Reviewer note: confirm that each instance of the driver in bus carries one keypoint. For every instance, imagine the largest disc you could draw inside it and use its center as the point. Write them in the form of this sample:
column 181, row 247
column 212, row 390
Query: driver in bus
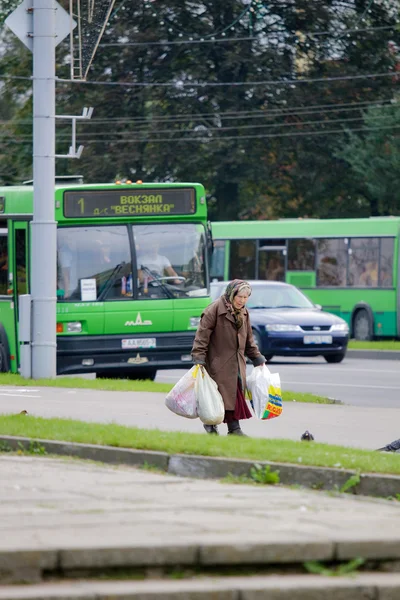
column 157, row 264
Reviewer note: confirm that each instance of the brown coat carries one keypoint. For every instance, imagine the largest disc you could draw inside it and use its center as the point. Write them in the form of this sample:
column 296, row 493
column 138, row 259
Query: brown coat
column 222, row 349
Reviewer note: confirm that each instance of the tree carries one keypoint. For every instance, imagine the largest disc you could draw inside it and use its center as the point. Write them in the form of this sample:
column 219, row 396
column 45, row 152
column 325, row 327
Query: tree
column 374, row 158
column 247, row 104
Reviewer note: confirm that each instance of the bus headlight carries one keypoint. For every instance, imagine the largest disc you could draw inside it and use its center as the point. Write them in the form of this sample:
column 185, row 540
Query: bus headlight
column 74, row 327
column 194, row 322
column 282, row 327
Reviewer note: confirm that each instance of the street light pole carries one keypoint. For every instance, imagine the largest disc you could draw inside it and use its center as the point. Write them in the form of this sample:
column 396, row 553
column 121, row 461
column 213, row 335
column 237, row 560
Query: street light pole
column 44, row 227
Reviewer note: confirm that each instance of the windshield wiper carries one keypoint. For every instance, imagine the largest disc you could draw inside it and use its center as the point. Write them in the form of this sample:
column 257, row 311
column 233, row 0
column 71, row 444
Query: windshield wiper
column 289, row 306
column 110, row 281
column 258, row 306
column 168, row 292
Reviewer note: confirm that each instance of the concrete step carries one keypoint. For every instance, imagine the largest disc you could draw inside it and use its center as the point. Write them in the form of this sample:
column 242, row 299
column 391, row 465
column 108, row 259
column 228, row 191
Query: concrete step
column 364, row 586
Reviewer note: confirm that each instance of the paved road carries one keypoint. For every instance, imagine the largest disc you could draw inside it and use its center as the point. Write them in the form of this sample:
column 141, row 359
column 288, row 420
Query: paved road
column 354, row 381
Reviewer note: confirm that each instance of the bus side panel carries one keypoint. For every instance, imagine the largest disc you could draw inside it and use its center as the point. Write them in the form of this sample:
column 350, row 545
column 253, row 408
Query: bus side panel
column 346, row 299
column 7, row 319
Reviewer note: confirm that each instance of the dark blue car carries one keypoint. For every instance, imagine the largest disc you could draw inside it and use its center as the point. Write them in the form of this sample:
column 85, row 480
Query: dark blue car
column 286, row 323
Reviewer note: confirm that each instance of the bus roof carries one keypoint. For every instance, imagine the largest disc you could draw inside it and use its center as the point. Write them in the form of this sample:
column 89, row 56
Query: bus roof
column 306, row 228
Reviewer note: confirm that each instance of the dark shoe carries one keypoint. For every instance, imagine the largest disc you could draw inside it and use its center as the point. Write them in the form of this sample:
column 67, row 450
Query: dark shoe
column 234, row 429
column 213, row 429
column 237, row 431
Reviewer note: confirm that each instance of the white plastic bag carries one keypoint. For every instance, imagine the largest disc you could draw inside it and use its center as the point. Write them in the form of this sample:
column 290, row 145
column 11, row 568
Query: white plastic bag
column 264, row 390
column 210, row 406
column 182, row 400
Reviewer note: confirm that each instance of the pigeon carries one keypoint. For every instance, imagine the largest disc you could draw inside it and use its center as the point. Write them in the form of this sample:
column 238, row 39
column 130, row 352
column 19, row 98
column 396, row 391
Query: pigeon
column 393, row 447
column 23, row 412
column 307, row 436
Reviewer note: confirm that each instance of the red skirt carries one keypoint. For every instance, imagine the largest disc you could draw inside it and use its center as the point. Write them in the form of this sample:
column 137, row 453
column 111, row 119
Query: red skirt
column 241, row 411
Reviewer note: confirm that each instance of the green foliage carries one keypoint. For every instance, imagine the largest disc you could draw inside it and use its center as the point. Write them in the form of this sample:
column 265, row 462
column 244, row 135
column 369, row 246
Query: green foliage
column 33, row 448
column 350, row 483
column 374, row 158
column 348, row 568
column 5, row 446
column 263, row 474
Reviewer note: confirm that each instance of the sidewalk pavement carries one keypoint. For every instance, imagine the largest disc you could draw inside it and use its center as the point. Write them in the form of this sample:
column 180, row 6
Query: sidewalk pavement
column 64, row 517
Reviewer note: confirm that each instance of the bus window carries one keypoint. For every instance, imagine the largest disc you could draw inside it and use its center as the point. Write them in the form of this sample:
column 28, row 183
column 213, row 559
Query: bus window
column 271, row 265
column 217, row 271
column 301, row 255
column 98, row 257
column 386, row 262
column 170, row 260
column 3, row 265
column 242, row 263
column 332, row 262
column 363, row 262
column 20, row 253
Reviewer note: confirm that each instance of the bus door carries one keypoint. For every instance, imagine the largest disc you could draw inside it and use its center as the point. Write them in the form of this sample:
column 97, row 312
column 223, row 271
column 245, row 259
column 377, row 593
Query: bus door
column 271, row 260
column 17, row 283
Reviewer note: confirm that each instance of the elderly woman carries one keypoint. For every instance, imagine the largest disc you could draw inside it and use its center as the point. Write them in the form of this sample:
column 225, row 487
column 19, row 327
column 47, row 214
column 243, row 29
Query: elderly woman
column 223, row 340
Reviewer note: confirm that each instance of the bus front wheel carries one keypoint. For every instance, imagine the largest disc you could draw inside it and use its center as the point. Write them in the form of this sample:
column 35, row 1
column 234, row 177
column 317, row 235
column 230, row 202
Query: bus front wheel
column 142, row 373
column 362, row 326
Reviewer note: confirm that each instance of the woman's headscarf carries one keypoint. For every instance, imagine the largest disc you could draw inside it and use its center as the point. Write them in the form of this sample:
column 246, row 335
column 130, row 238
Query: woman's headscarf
column 235, row 287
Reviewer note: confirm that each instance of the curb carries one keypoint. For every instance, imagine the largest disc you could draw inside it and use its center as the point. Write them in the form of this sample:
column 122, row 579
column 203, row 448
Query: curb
column 373, row 354
column 208, row 467
column 290, row 587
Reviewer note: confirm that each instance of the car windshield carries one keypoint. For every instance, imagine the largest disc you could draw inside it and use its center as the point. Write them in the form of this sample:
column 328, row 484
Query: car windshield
column 278, row 297
column 270, row 296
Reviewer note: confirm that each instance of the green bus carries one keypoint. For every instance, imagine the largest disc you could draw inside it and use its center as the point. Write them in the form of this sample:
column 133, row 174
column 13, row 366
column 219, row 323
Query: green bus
column 132, row 274
column 349, row 267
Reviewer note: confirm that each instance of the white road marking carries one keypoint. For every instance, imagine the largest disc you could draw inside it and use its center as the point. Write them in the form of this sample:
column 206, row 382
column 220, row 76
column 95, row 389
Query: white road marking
column 354, row 385
column 19, row 395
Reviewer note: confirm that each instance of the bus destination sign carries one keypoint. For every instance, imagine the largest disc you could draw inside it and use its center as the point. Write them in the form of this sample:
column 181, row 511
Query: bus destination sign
column 129, row 202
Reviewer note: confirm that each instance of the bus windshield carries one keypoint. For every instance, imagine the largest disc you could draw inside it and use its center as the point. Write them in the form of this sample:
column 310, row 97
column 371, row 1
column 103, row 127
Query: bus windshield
column 111, row 262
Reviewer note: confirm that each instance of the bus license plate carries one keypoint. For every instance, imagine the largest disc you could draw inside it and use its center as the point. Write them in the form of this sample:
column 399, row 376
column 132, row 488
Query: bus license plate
column 139, row 343
column 318, row 339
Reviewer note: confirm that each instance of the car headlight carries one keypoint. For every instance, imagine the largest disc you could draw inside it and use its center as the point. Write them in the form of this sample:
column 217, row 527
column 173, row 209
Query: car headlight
column 282, row 327
column 343, row 327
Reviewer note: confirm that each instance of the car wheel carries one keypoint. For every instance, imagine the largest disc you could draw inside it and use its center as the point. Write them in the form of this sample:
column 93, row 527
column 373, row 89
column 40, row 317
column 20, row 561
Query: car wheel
column 335, row 358
column 362, row 326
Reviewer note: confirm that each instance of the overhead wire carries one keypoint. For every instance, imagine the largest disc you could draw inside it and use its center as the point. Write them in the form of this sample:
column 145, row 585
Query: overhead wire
column 181, row 85
column 238, row 115
column 244, row 39
column 204, row 140
column 196, row 135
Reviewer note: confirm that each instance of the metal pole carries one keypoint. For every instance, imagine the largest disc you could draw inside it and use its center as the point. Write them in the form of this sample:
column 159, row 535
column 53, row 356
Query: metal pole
column 44, row 228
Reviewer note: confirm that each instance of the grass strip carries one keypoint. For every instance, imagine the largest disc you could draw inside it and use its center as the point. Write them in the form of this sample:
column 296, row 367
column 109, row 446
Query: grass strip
column 126, row 385
column 376, row 345
column 255, row 449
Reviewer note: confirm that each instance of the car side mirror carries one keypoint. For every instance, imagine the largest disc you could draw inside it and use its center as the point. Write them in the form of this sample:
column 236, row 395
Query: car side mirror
column 318, row 306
